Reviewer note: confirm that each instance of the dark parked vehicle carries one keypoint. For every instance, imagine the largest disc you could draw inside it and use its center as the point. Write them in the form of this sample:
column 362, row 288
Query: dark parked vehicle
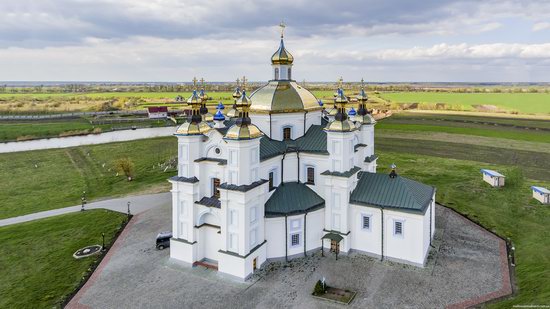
column 163, row 240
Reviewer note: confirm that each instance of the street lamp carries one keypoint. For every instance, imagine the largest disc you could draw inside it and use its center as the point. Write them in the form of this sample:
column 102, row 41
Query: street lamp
column 103, row 236
column 83, row 198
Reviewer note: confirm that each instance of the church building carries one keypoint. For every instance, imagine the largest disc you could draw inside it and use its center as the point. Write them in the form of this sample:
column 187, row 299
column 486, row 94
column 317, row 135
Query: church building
column 281, row 175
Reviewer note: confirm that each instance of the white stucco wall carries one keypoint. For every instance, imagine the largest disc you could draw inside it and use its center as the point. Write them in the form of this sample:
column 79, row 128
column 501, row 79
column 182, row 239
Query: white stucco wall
column 409, row 246
column 90, row 139
column 366, row 240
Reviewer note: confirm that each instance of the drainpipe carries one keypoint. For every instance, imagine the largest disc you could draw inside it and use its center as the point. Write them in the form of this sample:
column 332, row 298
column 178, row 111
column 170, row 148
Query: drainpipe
column 286, row 238
column 305, row 233
column 270, row 133
column 382, row 247
column 305, row 122
column 298, row 166
column 283, row 167
column 431, row 205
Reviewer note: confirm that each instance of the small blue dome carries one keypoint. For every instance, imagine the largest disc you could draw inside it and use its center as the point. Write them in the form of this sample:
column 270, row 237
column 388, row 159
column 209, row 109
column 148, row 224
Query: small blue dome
column 320, row 102
column 219, row 116
column 220, row 105
column 352, row 112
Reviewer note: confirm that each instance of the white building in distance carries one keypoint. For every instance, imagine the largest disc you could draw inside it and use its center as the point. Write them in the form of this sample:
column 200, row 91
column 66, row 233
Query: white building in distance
column 541, row 194
column 493, row 178
column 280, row 177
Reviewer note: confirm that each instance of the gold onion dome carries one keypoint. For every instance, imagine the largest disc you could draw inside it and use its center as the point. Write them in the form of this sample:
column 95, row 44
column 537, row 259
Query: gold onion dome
column 243, row 128
column 341, row 123
column 283, row 96
column 282, row 56
column 193, row 124
column 363, row 116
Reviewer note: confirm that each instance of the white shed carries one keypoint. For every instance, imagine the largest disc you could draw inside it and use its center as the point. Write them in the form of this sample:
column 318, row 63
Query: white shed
column 541, row 194
column 493, row 178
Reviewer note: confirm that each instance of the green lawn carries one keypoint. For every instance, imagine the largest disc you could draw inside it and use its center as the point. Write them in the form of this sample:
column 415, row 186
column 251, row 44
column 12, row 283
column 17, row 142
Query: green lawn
column 509, row 212
column 532, row 103
column 40, row 180
column 37, row 269
column 11, row 131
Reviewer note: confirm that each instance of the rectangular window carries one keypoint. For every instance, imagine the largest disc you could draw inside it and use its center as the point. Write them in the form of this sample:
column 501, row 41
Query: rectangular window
column 252, row 237
column 215, row 186
column 253, row 214
column 233, row 218
column 233, row 242
column 310, row 175
column 365, row 222
column 398, row 228
column 295, row 239
column 287, row 133
column 271, row 180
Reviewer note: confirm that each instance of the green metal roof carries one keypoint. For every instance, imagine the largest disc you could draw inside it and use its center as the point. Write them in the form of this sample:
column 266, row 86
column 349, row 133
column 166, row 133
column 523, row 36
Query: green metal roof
column 314, row 141
column 292, row 198
column 399, row 193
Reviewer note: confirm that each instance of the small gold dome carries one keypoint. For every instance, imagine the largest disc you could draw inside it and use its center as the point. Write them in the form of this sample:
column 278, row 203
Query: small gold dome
column 363, row 119
column 237, row 93
column 244, row 131
column 282, row 56
column 191, row 128
column 340, row 126
column 194, row 98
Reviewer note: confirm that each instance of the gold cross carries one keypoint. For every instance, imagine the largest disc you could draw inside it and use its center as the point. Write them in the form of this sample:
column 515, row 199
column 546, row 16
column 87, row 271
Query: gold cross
column 340, row 82
column 194, row 82
column 282, row 25
column 202, row 82
column 238, row 80
column 244, row 83
column 362, row 83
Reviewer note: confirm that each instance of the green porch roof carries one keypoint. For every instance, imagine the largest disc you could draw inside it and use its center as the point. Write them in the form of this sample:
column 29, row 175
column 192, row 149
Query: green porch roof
column 399, row 193
column 291, row 198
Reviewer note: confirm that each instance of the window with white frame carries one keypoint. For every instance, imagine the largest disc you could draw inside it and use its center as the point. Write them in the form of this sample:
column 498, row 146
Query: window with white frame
column 295, row 239
column 253, row 214
column 271, row 180
column 287, row 133
column 289, row 73
column 233, row 218
column 252, row 237
column 276, row 73
column 233, row 242
column 310, row 175
column 398, row 228
column 366, row 222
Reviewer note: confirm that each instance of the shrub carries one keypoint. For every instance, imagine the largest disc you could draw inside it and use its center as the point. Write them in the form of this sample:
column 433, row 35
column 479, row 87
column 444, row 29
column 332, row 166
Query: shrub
column 318, row 290
column 126, row 167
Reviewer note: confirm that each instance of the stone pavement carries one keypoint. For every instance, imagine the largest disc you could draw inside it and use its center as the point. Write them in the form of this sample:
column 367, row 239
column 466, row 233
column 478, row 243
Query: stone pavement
column 138, row 204
column 467, row 266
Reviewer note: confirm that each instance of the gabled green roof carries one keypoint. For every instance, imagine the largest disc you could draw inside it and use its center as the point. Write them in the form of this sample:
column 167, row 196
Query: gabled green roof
column 314, row 141
column 292, row 198
column 399, row 193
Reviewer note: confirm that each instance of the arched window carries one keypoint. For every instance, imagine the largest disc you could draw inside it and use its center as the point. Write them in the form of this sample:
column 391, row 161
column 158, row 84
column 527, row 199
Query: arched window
column 287, row 133
column 276, row 73
column 310, row 175
column 289, row 73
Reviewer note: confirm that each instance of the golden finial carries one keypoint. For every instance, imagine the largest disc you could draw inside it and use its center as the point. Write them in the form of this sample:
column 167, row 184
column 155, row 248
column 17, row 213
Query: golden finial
column 340, row 82
column 244, row 83
column 283, row 26
column 195, row 82
column 362, row 83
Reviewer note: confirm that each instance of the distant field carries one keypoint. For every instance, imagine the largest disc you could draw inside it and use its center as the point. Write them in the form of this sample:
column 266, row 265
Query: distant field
column 532, row 103
column 40, row 180
column 36, row 258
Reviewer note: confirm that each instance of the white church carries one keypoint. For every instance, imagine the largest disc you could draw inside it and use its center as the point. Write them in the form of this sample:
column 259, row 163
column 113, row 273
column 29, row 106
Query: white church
column 281, row 176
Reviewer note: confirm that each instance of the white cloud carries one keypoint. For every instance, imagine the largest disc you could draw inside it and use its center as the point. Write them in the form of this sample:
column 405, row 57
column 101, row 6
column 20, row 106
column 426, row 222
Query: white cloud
column 541, row 26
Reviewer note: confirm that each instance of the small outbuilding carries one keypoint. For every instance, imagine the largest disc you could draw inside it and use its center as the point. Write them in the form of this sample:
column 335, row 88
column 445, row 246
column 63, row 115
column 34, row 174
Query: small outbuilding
column 541, row 194
column 157, row 112
column 493, row 178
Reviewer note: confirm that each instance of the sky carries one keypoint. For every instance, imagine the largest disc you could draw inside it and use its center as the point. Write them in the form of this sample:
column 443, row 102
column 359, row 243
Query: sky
column 220, row 40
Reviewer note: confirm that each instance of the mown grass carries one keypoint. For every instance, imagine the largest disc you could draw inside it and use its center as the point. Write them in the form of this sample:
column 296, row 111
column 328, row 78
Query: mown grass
column 510, row 212
column 48, row 179
column 37, row 269
column 531, row 103
column 12, row 131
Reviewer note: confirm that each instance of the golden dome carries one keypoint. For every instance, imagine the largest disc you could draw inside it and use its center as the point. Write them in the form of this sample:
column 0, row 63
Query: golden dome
column 193, row 128
column 282, row 56
column 363, row 119
column 243, row 131
column 194, row 98
column 340, row 126
column 283, row 96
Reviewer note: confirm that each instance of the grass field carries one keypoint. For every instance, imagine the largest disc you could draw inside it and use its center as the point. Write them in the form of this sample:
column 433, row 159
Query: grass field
column 508, row 211
column 47, row 179
column 12, row 131
column 530, row 103
column 37, row 269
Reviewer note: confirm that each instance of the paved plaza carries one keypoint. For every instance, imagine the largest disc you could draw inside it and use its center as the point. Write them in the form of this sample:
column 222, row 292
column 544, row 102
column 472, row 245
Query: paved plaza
column 467, row 266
